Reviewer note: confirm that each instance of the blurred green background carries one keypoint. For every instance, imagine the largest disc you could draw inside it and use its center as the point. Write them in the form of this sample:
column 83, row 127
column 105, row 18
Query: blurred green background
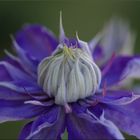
column 86, row 17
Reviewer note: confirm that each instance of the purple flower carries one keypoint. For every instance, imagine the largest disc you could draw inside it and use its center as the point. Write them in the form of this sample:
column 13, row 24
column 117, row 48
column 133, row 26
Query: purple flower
column 68, row 84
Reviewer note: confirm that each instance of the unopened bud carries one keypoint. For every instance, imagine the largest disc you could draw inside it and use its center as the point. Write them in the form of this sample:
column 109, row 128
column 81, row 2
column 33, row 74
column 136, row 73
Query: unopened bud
column 68, row 75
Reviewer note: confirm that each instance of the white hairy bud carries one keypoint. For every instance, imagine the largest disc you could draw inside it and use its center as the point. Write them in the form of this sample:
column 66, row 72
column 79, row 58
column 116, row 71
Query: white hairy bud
column 68, row 75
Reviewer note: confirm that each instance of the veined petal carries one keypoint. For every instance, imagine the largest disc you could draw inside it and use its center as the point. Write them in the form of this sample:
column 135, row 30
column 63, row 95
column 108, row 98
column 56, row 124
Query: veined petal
column 10, row 94
column 4, row 75
column 95, row 48
column 116, row 37
column 119, row 97
column 125, row 116
column 25, row 131
column 18, row 110
column 48, row 126
column 14, row 72
column 31, row 64
column 9, row 62
column 122, row 68
column 21, row 90
column 17, row 62
column 85, row 125
column 14, row 80
column 36, row 40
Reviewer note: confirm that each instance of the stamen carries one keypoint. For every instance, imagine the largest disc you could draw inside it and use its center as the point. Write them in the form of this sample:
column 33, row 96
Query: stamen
column 67, row 108
column 104, row 89
column 92, row 102
column 26, row 91
column 105, row 70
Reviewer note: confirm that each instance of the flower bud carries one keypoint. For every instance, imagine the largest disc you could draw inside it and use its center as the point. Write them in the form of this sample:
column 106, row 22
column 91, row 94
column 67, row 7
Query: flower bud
column 68, row 75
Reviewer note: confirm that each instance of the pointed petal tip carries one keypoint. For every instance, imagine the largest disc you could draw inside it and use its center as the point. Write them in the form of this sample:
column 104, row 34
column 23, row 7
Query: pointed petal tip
column 60, row 14
column 61, row 29
column 14, row 42
column 12, row 37
column 77, row 37
column 61, row 22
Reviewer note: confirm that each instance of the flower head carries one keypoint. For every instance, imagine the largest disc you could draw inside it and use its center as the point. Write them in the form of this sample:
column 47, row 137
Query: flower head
column 69, row 74
column 68, row 84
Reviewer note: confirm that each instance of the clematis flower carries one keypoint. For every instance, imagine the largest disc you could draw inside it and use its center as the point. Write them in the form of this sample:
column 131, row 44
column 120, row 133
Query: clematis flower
column 69, row 85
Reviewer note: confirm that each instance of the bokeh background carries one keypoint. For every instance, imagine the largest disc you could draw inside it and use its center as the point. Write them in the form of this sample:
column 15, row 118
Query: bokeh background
column 86, row 17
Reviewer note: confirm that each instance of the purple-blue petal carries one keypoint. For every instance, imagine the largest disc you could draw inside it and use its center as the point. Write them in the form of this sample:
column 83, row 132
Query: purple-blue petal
column 123, row 110
column 85, row 125
column 14, row 72
column 4, row 75
column 31, row 64
column 10, row 94
column 36, row 40
column 17, row 62
column 126, row 117
column 122, row 67
column 13, row 110
column 25, row 131
column 15, row 82
column 116, row 37
column 118, row 97
column 17, row 90
column 97, row 53
column 49, row 125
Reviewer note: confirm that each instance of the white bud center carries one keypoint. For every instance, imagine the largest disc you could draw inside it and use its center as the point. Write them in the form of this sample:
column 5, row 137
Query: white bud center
column 68, row 75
